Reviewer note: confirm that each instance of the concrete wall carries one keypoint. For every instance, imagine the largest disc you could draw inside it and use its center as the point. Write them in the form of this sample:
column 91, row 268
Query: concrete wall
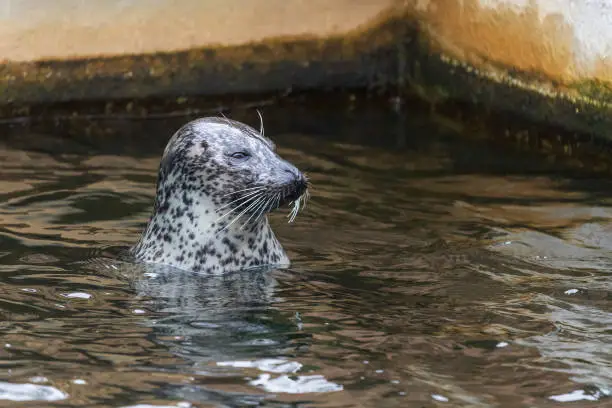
column 43, row 29
column 544, row 59
column 69, row 50
column 566, row 40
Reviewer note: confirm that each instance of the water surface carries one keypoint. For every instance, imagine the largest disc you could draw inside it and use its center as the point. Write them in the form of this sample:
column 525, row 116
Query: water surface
column 427, row 272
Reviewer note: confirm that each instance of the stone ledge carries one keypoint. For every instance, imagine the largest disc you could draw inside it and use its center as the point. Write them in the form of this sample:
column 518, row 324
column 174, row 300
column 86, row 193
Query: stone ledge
column 440, row 50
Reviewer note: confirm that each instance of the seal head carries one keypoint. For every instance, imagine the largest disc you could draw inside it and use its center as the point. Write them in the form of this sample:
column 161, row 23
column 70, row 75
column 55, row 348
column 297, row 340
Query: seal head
column 218, row 179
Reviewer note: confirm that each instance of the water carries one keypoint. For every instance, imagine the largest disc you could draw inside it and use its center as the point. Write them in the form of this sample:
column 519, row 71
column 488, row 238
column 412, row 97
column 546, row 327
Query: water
column 427, row 272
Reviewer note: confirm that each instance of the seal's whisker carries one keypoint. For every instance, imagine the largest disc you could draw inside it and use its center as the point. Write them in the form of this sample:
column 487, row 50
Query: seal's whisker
column 291, row 215
column 306, row 198
column 237, row 207
column 252, row 193
column 238, row 200
column 243, row 190
column 244, row 224
column 234, row 208
column 265, row 207
column 261, row 125
column 295, row 209
column 298, row 206
column 226, row 227
column 239, row 215
column 255, row 211
column 260, row 211
column 251, row 207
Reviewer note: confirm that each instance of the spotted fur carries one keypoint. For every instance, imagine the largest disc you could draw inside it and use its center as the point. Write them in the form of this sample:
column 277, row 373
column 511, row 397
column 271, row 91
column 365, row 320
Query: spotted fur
column 199, row 181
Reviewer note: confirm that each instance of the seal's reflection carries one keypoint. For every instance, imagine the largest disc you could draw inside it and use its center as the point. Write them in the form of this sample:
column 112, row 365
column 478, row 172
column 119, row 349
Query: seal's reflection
column 229, row 328
column 212, row 318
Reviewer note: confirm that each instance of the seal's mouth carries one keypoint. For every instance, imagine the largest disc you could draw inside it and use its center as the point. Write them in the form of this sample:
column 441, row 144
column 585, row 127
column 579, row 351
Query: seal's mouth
column 254, row 202
column 293, row 192
column 295, row 195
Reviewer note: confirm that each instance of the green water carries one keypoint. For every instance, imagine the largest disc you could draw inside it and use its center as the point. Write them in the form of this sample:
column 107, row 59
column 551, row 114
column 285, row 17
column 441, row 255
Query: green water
column 427, row 272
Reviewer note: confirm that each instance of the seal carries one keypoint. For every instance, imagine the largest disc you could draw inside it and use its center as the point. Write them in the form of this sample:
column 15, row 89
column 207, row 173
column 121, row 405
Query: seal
column 218, row 180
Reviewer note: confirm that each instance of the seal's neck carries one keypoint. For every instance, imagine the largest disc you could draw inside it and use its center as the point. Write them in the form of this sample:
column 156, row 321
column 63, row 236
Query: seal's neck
column 185, row 232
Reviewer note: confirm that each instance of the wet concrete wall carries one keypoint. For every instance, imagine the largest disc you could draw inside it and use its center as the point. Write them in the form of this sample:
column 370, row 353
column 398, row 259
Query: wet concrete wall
column 547, row 60
column 106, row 49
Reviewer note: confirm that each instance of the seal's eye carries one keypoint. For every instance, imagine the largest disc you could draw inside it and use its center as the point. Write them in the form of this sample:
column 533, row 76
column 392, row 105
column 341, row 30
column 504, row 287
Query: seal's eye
column 240, row 156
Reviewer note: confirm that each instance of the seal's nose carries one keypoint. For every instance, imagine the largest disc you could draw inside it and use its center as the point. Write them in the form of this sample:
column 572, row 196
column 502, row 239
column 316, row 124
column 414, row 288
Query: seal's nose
column 295, row 180
column 290, row 173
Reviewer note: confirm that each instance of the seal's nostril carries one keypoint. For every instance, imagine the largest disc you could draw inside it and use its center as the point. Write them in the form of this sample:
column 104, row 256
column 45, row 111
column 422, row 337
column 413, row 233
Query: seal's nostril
column 291, row 174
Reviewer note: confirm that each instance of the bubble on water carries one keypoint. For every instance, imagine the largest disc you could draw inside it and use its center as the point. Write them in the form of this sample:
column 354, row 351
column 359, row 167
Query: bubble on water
column 571, row 291
column 502, row 344
column 39, row 379
column 138, row 311
column 79, row 381
column 439, row 397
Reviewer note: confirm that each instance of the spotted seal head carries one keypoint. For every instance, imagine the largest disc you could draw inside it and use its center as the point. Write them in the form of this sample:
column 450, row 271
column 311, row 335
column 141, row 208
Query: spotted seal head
column 218, row 179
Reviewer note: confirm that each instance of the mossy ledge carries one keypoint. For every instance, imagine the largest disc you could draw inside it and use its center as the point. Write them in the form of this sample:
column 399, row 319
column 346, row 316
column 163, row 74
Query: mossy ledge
column 392, row 55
